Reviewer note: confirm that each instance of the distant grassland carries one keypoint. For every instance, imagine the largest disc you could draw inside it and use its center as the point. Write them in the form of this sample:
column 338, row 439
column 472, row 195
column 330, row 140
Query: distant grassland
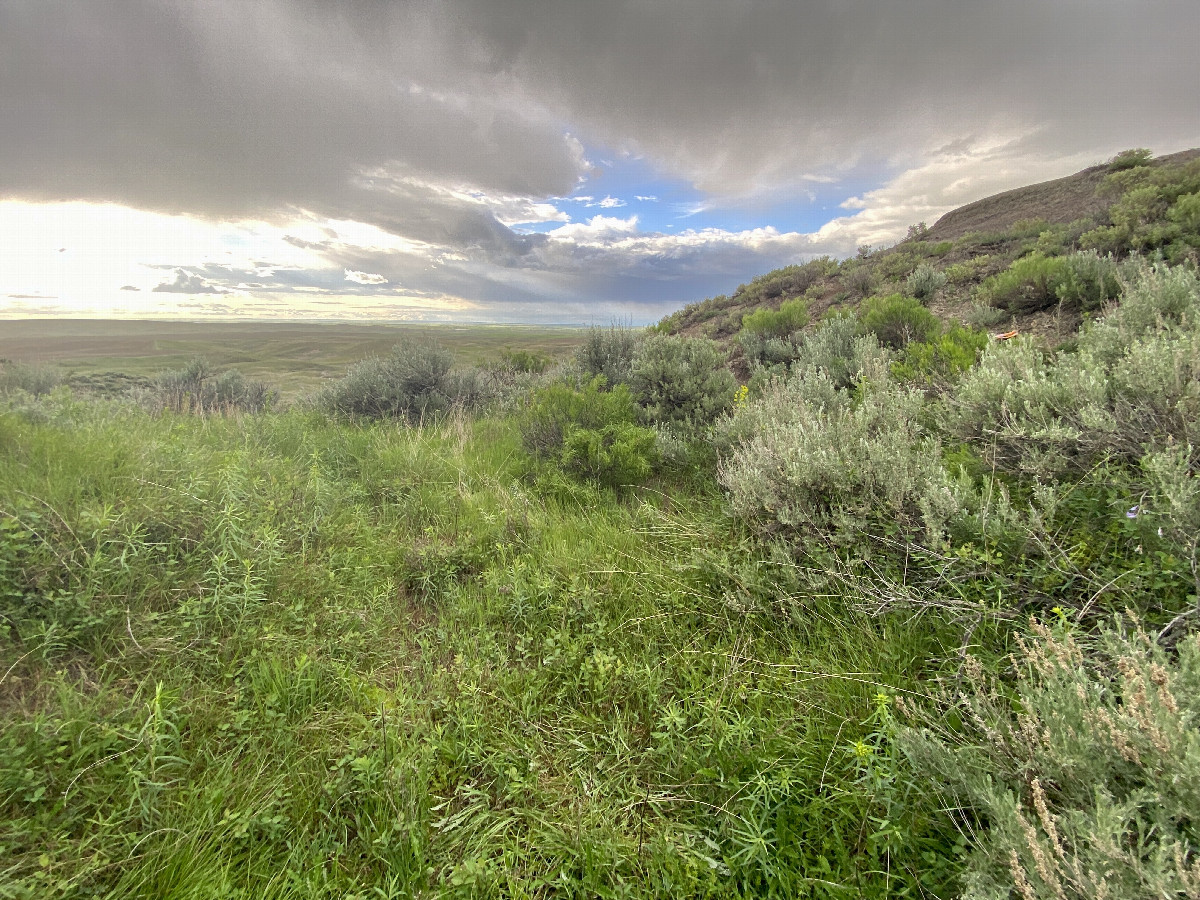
column 295, row 356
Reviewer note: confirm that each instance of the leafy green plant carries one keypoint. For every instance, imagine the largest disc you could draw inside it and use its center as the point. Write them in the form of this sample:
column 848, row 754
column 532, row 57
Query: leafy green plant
column 557, row 408
column 942, row 358
column 792, row 315
column 616, row 455
column 898, row 320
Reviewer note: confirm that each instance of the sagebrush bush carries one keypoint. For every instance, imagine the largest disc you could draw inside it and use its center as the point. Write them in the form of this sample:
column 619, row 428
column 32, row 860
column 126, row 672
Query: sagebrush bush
column 198, row 388
column 681, row 381
column 984, row 315
column 898, row 320
column 409, row 383
column 1084, row 780
column 608, row 352
column 1132, row 386
column 809, row 460
column 860, row 279
column 33, row 379
column 925, row 281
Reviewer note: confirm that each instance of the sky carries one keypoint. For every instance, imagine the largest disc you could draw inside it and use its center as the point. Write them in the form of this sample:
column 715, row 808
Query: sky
column 548, row 162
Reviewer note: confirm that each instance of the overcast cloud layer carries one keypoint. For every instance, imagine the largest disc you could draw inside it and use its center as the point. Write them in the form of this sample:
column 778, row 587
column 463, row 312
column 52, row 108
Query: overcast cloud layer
column 418, row 158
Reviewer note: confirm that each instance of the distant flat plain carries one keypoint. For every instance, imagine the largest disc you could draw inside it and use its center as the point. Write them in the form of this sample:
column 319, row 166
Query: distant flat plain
column 294, row 356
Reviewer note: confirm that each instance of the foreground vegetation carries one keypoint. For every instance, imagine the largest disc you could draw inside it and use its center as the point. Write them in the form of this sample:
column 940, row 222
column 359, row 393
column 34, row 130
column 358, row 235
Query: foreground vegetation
column 908, row 612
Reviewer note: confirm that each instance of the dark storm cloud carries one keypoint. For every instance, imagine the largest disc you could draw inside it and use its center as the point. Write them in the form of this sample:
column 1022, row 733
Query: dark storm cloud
column 438, row 121
column 231, row 108
column 228, row 108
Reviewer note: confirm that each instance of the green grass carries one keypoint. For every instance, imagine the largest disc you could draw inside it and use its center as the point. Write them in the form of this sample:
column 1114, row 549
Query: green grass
column 278, row 657
column 295, row 357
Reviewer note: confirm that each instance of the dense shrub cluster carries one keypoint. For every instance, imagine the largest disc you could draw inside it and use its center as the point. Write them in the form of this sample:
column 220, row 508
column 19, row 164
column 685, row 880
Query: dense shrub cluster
column 412, row 382
column 198, row 388
column 1132, row 385
column 32, row 379
column 1156, row 208
column 1082, row 281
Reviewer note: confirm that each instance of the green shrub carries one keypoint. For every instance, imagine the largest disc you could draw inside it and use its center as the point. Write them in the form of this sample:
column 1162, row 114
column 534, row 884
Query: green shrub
column 1082, row 281
column 681, row 381
column 1028, row 285
column 1130, row 159
column 971, row 270
column 809, row 461
column 791, row 316
column 897, row 265
column 897, row 320
column 617, row 455
column 1087, row 281
column 409, row 383
column 1185, row 213
column 557, row 408
column 942, row 358
column 925, row 281
column 1083, row 780
column 608, row 352
column 526, row 361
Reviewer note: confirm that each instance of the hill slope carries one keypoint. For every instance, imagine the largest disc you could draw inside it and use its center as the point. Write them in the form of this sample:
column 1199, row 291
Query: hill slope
column 1131, row 204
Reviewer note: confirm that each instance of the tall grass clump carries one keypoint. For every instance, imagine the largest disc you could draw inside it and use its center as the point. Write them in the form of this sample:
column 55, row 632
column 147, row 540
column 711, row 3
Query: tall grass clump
column 1082, row 779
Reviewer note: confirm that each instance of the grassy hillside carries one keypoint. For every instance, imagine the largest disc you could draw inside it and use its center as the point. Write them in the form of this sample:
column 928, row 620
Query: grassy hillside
column 1127, row 205
column 906, row 612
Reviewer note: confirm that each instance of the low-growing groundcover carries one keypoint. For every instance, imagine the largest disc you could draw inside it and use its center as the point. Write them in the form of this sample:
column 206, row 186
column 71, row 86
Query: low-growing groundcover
column 285, row 657
column 905, row 619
